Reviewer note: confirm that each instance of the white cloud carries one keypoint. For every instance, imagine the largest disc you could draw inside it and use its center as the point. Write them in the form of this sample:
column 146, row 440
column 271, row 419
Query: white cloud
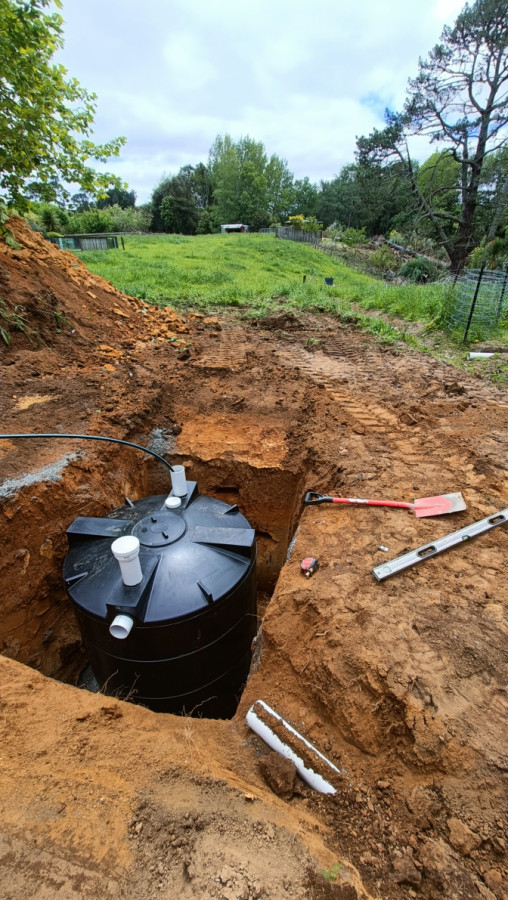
column 304, row 78
column 186, row 63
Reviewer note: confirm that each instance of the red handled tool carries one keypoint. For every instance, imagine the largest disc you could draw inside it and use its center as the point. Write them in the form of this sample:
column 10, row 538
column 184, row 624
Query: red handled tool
column 427, row 506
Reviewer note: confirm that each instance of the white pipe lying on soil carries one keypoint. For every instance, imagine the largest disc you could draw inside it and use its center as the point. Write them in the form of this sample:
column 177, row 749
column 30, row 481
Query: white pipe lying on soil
column 308, row 774
column 479, row 355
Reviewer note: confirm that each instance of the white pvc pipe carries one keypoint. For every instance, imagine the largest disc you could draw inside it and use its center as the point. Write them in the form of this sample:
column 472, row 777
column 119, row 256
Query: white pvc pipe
column 179, row 481
column 121, row 627
column 126, row 551
column 313, row 778
column 479, row 355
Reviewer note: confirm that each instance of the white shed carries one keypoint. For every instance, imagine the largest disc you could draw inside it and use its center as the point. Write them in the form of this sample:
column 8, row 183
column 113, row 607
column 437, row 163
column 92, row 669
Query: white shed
column 232, row 229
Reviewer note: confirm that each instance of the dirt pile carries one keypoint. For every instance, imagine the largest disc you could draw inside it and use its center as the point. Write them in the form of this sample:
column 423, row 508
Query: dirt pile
column 400, row 684
column 47, row 291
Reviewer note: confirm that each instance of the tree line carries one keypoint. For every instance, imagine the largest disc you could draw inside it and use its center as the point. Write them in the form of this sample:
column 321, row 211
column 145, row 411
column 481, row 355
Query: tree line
column 455, row 201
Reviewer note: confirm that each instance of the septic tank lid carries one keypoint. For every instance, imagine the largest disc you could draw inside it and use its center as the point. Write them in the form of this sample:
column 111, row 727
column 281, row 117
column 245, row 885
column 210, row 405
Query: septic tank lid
column 159, row 529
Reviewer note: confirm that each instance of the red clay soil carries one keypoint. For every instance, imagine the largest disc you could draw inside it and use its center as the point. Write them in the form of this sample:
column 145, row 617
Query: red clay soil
column 400, row 683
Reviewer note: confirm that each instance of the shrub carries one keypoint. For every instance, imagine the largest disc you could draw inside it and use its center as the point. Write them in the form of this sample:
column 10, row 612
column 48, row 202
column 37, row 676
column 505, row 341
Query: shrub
column 130, row 219
column 296, row 222
column 384, row 259
column 305, row 223
column 95, row 221
column 257, row 219
column 335, row 231
column 397, row 238
column 354, row 237
column 421, row 243
column 420, row 270
column 493, row 255
column 35, row 225
column 50, row 216
column 311, row 225
column 208, row 221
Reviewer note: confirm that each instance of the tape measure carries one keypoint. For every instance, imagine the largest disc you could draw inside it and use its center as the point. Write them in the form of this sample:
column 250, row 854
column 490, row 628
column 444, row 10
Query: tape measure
column 309, row 565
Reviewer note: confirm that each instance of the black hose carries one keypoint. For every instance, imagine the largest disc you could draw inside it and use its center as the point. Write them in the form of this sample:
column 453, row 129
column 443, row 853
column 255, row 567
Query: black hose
column 88, row 437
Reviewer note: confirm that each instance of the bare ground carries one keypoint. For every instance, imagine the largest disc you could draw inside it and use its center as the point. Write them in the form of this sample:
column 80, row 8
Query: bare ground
column 400, row 683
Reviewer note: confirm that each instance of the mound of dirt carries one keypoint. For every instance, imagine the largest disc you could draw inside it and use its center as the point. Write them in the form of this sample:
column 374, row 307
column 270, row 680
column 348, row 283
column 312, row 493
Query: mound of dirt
column 400, row 684
column 47, row 291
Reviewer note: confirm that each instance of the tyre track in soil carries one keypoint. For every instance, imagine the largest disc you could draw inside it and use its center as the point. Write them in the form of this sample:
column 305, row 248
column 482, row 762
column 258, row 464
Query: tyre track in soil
column 414, row 415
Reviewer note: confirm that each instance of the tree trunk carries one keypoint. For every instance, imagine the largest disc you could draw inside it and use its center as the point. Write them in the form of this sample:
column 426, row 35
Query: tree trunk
column 463, row 244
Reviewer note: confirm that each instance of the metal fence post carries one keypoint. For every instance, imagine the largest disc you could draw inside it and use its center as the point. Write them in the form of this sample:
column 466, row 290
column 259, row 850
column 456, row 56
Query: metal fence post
column 473, row 304
column 501, row 297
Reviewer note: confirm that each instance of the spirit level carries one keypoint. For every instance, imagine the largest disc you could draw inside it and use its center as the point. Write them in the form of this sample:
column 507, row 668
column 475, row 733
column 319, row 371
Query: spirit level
column 444, row 543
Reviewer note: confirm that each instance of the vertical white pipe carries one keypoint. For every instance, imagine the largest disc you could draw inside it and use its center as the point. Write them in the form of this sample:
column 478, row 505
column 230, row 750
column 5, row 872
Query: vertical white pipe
column 126, row 551
column 179, row 481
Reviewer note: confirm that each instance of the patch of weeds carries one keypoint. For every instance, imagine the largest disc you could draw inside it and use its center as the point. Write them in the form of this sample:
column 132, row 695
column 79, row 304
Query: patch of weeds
column 495, row 370
column 5, row 231
column 381, row 329
column 61, row 321
column 259, row 309
column 312, row 343
column 348, row 317
column 387, row 334
column 15, row 320
column 413, row 342
column 331, row 874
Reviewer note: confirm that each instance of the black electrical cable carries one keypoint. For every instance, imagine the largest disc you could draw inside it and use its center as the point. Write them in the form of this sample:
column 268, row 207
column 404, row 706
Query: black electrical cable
column 89, row 437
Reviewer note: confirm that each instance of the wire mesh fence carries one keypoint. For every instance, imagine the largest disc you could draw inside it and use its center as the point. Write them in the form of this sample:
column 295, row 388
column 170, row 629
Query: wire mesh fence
column 306, row 237
column 477, row 303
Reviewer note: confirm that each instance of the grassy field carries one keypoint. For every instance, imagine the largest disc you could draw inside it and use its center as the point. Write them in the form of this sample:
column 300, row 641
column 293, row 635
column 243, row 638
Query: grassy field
column 251, row 271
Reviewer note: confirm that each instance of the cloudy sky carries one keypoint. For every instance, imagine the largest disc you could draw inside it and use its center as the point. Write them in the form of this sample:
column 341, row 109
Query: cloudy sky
column 303, row 76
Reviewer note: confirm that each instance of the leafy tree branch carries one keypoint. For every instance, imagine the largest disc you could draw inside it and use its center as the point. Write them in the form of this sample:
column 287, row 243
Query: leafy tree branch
column 46, row 118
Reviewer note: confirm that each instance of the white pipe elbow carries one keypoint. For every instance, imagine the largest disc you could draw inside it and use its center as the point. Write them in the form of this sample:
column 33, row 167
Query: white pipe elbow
column 121, row 627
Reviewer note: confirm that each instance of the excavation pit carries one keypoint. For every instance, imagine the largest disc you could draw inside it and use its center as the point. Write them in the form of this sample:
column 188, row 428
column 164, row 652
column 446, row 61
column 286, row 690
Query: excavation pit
column 42, row 631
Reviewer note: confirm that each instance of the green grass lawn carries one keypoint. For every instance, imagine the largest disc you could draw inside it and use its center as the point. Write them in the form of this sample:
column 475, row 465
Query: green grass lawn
column 251, row 271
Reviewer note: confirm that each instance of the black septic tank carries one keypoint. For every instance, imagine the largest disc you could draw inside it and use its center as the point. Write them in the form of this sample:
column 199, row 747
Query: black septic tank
column 180, row 639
